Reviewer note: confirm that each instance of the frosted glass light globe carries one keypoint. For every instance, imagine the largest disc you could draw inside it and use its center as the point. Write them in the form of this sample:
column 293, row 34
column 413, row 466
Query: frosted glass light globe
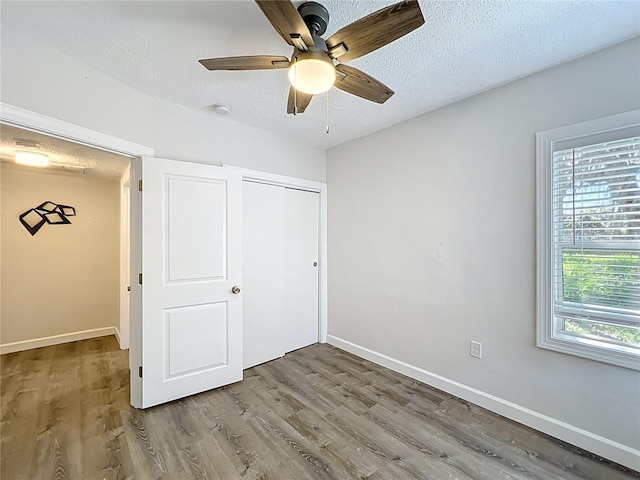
column 312, row 73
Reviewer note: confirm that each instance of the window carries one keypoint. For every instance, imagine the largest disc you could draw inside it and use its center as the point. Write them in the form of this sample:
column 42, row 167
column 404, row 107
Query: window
column 588, row 227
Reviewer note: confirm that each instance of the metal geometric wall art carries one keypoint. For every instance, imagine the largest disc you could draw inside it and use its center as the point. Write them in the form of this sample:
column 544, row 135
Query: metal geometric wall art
column 48, row 212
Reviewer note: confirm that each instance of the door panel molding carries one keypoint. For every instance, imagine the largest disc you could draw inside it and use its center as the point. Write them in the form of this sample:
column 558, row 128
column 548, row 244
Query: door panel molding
column 210, row 345
column 181, row 265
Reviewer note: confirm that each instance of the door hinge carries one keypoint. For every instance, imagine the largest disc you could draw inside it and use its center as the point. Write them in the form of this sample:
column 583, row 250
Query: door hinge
column 140, row 371
column 140, row 278
column 140, row 185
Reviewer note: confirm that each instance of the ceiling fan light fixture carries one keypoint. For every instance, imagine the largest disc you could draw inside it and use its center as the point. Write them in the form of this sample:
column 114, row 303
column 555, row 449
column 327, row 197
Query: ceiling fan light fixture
column 32, row 159
column 312, row 72
column 316, row 62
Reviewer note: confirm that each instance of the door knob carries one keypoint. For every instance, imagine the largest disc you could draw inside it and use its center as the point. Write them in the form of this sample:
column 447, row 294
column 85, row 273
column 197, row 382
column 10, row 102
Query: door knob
column 235, row 289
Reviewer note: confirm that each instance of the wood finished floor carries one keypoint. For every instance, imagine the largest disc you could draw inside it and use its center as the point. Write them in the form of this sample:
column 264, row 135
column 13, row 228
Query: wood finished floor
column 317, row 413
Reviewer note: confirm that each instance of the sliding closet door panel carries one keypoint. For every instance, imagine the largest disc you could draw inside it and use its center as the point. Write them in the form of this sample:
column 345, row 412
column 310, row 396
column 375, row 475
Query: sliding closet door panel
column 263, row 272
column 301, row 270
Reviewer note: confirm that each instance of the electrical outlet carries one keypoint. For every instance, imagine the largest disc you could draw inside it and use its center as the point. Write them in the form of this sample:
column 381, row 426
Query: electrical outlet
column 476, row 349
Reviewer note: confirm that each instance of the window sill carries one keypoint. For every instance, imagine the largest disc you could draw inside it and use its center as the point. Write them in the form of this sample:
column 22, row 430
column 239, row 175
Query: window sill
column 626, row 357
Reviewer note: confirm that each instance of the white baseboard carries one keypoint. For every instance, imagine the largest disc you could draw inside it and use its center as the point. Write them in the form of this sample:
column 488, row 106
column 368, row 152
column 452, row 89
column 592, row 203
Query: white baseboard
column 614, row 451
column 55, row 339
column 116, row 332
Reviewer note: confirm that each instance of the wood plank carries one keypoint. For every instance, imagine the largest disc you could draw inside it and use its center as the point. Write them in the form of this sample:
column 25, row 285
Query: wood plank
column 256, row 62
column 286, row 20
column 361, row 84
column 376, row 30
column 317, row 413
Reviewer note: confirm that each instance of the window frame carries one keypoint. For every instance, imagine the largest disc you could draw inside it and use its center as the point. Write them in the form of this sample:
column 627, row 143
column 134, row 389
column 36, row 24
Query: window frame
column 547, row 335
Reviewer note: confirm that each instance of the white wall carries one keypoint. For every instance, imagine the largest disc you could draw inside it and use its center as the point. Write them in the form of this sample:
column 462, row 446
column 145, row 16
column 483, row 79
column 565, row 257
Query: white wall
column 64, row 279
column 432, row 243
column 38, row 78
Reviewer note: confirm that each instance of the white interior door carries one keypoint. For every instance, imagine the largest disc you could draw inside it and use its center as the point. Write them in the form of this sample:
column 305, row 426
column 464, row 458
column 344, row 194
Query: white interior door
column 191, row 260
column 301, row 268
column 263, row 242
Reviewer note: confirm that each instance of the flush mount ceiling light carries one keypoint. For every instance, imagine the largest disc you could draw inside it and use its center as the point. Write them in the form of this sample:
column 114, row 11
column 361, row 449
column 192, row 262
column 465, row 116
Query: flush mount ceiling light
column 312, row 72
column 222, row 109
column 32, row 159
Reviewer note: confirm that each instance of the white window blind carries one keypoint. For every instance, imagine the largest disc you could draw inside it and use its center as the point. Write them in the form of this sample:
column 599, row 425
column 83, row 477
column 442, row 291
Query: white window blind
column 596, row 241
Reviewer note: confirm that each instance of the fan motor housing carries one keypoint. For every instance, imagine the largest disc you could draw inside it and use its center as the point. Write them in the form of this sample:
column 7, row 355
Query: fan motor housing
column 315, row 16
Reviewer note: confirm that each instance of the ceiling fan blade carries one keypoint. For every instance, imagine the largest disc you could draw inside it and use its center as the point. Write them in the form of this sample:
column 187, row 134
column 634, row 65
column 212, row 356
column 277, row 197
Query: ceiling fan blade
column 358, row 83
column 300, row 99
column 286, row 20
column 375, row 30
column 257, row 62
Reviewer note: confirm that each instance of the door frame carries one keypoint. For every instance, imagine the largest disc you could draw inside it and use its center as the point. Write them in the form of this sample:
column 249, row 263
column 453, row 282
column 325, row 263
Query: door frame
column 36, row 122
column 125, row 259
column 26, row 119
column 258, row 176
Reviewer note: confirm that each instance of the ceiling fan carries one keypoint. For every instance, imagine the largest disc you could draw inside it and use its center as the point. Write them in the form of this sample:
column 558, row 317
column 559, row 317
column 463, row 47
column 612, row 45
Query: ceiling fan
column 316, row 64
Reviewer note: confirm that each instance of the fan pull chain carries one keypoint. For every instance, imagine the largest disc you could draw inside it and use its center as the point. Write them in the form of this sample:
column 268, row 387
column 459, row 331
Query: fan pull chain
column 295, row 90
column 328, row 112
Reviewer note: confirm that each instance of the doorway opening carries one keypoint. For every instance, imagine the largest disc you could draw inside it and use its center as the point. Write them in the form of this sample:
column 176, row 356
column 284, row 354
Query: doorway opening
column 77, row 154
column 68, row 252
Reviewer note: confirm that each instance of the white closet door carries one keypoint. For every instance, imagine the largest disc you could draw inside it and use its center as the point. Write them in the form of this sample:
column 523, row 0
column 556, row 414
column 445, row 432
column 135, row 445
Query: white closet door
column 263, row 272
column 301, row 270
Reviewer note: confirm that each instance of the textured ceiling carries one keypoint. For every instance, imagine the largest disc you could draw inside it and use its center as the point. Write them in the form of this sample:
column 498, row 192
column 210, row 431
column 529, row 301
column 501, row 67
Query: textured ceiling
column 62, row 153
column 464, row 48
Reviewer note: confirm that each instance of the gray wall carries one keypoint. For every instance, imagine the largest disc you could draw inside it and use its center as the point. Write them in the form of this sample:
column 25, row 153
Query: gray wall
column 46, row 81
column 432, row 243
